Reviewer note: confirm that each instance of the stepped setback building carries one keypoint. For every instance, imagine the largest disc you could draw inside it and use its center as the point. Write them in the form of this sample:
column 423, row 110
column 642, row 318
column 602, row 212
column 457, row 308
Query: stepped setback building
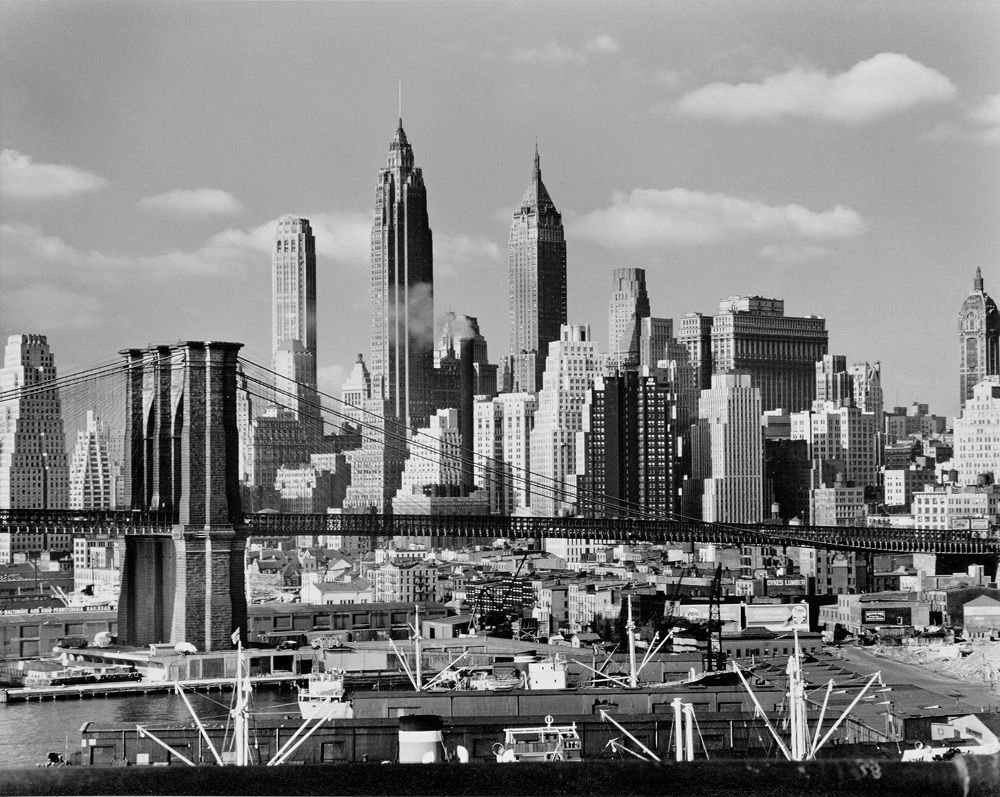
column 977, row 435
column 573, row 362
column 629, row 306
column 402, row 289
column 34, row 471
column 293, row 321
column 91, row 482
column 979, row 339
column 536, row 257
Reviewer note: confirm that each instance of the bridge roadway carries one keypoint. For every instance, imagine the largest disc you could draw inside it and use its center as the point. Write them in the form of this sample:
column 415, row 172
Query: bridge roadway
column 874, row 539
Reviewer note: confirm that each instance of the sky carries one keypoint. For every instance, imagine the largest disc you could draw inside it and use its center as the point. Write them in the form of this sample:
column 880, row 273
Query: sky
column 842, row 156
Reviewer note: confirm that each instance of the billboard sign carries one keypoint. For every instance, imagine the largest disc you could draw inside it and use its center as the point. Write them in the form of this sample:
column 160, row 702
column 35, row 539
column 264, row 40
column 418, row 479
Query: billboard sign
column 887, row 616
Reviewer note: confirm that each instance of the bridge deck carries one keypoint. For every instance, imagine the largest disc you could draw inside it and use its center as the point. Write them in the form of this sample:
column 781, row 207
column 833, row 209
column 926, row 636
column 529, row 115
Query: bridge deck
column 877, row 539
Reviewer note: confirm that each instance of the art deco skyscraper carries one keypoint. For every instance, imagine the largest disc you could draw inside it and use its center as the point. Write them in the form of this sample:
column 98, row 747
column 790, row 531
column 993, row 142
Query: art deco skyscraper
column 629, row 305
column 293, row 320
column 91, row 483
column 573, row 362
column 402, row 289
column 731, row 450
column 34, row 472
column 536, row 257
column 979, row 337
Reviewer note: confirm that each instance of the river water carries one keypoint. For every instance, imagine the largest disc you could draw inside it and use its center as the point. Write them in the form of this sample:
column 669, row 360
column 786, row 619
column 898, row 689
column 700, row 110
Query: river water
column 29, row 731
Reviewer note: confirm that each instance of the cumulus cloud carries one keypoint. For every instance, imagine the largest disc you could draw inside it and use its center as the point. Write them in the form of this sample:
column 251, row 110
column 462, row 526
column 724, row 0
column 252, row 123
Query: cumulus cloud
column 192, row 202
column 26, row 248
column 980, row 125
column 343, row 238
column 650, row 217
column 63, row 310
column 458, row 254
column 791, row 254
column 21, row 177
column 602, row 44
column 987, row 115
column 883, row 85
column 552, row 52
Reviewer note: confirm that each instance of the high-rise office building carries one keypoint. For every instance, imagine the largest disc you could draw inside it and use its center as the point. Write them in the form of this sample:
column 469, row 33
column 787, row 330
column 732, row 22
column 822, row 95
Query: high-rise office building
column 978, row 337
column 276, row 437
column 629, row 305
column 695, row 335
column 977, row 434
column 573, row 362
column 502, row 463
column 833, row 382
column 655, row 336
column 843, row 437
column 402, row 289
column 377, row 466
column 537, row 265
column 454, row 329
column 753, row 334
column 293, row 321
column 91, row 481
column 729, row 455
column 867, row 384
column 34, row 471
column 354, row 393
column 628, row 446
column 859, row 385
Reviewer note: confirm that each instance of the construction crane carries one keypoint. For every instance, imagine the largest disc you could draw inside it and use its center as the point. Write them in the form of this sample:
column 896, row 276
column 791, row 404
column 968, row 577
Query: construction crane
column 716, row 658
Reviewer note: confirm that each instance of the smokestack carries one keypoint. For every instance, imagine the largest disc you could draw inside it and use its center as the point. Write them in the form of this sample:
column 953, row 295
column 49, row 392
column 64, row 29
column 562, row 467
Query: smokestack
column 466, row 388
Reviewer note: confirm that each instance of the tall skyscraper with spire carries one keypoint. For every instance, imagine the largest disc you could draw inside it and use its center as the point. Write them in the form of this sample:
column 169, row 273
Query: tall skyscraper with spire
column 979, row 338
column 402, row 289
column 536, row 258
column 293, row 321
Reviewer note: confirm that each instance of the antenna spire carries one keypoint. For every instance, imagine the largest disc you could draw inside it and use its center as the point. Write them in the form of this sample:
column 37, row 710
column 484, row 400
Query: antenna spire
column 400, row 103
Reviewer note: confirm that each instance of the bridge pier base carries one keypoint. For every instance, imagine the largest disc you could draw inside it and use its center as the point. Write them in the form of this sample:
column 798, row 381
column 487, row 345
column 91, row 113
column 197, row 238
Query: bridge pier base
column 188, row 587
column 182, row 459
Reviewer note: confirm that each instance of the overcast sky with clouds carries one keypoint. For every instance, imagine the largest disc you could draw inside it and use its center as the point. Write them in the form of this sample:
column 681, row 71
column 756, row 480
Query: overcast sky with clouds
column 842, row 156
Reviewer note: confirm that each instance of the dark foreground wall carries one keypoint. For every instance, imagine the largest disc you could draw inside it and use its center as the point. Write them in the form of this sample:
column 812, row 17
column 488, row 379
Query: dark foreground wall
column 969, row 775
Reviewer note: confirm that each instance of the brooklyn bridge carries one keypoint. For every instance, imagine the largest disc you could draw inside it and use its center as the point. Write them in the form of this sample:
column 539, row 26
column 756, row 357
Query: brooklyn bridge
column 185, row 531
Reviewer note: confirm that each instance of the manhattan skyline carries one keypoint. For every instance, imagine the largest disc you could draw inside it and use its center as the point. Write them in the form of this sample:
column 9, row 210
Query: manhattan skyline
column 843, row 158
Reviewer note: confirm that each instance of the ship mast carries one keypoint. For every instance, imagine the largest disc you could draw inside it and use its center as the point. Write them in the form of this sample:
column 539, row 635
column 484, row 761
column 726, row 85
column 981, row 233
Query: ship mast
column 633, row 674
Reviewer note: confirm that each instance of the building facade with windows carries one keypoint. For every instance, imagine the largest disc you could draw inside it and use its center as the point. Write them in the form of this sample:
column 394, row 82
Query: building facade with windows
column 730, row 450
column 34, row 469
column 293, row 321
column 91, row 481
column 402, row 289
column 978, row 338
column 753, row 334
column 536, row 256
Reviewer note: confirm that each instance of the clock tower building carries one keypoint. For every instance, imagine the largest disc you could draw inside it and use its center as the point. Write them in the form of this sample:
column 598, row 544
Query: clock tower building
column 979, row 337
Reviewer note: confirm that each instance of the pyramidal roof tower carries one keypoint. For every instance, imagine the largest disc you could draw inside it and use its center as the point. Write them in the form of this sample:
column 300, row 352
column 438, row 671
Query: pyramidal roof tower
column 536, row 257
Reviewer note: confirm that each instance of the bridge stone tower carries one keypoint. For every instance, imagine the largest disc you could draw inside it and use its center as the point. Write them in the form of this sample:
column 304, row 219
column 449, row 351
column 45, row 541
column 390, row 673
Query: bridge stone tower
column 181, row 459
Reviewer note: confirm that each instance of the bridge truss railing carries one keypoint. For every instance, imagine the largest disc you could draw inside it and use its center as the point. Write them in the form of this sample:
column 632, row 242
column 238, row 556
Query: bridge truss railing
column 484, row 527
